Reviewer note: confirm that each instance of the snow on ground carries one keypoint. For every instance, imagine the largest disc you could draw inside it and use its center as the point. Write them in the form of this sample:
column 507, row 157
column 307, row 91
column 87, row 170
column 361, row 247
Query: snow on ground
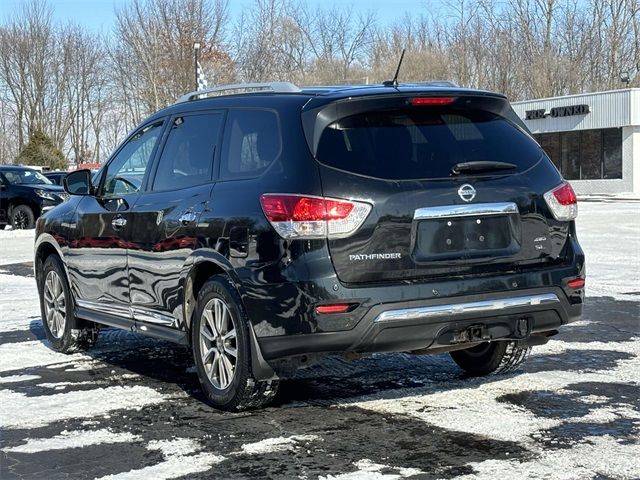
column 609, row 234
column 16, row 246
column 276, row 444
column 131, row 409
column 73, row 439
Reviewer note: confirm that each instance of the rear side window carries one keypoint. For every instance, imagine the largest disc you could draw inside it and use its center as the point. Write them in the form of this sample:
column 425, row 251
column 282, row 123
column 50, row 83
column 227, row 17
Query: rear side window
column 187, row 157
column 252, row 141
column 420, row 142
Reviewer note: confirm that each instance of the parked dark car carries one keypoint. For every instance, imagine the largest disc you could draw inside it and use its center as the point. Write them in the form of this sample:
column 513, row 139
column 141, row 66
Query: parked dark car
column 56, row 177
column 269, row 228
column 25, row 194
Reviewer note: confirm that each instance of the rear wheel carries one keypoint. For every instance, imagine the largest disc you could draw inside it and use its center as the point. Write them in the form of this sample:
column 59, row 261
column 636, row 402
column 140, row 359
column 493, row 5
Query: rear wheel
column 65, row 332
column 2, row 226
column 491, row 358
column 22, row 217
column 221, row 350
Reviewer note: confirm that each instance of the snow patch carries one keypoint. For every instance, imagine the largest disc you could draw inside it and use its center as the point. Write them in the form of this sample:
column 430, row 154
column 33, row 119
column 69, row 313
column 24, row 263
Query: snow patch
column 278, row 444
column 73, row 439
column 32, row 412
column 33, row 353
column 18, row 378
column 607, row 234
column 598, row 457
column 179, row 461
column 368, row 470
column 17, row 246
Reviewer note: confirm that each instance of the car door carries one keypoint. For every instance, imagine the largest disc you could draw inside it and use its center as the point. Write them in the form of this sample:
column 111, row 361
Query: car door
column 165, row 218
column 97, row 255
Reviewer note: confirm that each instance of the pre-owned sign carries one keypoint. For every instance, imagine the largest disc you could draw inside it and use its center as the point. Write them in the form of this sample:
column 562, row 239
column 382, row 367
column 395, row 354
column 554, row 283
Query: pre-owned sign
column 557, row 112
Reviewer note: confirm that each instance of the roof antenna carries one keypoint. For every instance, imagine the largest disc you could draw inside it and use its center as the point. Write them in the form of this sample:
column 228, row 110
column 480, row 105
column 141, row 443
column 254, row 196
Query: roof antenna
column 394, row 82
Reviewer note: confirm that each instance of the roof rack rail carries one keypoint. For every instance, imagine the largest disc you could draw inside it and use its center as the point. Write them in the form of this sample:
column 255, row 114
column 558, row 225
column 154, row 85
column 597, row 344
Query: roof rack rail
column 277, row 87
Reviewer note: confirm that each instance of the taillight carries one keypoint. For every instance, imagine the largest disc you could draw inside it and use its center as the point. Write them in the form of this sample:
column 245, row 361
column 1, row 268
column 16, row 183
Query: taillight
column 304, row 216
column 424, row 101
column 562, row 202
column 576, row 283
column 334, row 308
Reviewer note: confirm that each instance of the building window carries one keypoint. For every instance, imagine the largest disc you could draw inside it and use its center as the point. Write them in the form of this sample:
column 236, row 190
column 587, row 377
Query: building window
column 612, row 153
column 585, row 154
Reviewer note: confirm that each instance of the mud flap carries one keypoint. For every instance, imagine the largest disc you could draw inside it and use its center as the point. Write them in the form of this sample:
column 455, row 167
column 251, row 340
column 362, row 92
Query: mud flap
column 260, row 368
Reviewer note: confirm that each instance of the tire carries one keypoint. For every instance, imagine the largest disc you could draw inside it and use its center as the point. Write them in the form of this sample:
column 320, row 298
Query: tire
column 22, row 218
column 65, row 332
column 2, row 226
column 491, row 358
column 214, row 344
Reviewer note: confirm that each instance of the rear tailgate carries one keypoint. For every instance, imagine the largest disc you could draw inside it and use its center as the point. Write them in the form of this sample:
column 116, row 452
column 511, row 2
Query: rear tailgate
column 427, row 221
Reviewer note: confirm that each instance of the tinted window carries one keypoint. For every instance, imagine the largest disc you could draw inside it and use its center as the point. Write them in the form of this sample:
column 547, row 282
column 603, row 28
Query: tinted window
column 26, row 177
column 591, row 154
column 187, row 157
column 570, row 155
column 585, row 154
column 612, row 152
column 419, row 142
column 251, row 143
column 127, row 169
column 550, row 143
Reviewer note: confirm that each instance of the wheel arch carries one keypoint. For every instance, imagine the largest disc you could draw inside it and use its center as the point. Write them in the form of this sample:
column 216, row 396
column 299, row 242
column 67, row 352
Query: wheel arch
column 199, row 267
column 45, row 246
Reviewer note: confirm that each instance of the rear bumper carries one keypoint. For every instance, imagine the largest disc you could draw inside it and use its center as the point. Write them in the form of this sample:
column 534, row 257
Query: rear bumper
column 437, row 324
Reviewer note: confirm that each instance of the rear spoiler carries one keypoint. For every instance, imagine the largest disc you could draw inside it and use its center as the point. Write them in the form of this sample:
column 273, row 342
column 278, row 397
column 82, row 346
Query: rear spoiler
column 319, row 113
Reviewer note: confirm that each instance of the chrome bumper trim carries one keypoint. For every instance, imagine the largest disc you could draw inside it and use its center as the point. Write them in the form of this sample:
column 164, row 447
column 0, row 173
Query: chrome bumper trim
column 484, row 306
column 474, row 210
column 132, row 313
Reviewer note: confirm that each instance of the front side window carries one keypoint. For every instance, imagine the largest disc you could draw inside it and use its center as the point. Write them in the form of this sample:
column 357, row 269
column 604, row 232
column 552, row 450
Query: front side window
column 252, row 141
column 126, row 171
column 187, row 157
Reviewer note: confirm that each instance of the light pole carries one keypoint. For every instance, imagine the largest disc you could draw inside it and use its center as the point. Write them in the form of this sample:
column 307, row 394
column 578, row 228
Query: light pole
column 196, row 50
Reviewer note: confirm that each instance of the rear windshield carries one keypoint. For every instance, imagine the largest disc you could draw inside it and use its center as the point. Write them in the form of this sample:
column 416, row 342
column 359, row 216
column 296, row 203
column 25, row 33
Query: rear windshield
column 420, row 142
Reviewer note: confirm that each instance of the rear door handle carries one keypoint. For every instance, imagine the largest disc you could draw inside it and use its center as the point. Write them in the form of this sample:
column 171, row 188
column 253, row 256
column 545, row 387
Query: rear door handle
column 118, row 222
column 188, row 217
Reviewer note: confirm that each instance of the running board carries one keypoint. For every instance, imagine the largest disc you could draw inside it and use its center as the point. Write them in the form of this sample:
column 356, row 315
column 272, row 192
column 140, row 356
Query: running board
column 151, row 330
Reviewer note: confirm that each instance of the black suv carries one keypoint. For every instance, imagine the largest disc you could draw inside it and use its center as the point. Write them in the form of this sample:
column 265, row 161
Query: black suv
column 24, row 195
column 266, row 229
column 56, row 177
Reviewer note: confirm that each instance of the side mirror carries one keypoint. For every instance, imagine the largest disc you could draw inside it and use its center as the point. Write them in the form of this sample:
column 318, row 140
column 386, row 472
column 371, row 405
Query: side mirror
column 78, row 182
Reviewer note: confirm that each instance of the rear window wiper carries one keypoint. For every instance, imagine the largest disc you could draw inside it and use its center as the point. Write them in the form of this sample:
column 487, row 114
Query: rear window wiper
column 481, row 166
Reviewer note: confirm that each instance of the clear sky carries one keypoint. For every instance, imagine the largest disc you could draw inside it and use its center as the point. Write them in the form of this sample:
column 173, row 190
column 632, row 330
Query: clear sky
column 99, row 14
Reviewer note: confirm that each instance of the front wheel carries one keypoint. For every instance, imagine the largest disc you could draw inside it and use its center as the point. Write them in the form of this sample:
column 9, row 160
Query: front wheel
column 22, row 218
column 491, row 357
column 221, row 351
column 65, row 332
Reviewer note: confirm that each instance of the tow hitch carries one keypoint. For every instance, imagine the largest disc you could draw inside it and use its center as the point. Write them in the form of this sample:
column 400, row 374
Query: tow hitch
column 473, row 333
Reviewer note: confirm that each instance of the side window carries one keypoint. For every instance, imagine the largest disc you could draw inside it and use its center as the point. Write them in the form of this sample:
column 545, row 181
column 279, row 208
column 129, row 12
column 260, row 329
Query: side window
column 252, row 141
column 187, row 157
column 126, row 171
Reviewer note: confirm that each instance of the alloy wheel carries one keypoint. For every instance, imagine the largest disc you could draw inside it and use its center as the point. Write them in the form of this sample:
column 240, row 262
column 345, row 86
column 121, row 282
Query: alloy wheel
column 55, row 306
column 20, row 220
column 218, row 343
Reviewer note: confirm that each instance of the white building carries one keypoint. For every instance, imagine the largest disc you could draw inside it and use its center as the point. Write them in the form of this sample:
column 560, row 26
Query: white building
column 593, row 138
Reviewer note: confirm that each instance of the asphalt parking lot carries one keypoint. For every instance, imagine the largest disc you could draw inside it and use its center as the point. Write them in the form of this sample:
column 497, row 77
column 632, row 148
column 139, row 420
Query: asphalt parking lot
column 131, row 407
